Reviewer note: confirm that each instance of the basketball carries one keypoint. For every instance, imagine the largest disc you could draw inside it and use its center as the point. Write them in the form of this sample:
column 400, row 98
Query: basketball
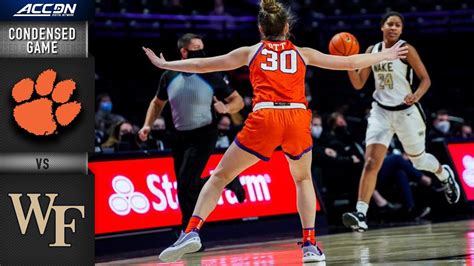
column 344, row 44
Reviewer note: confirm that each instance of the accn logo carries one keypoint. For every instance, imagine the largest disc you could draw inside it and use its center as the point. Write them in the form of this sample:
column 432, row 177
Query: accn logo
column 36, row 116
column 42, row 221
column 46, row 10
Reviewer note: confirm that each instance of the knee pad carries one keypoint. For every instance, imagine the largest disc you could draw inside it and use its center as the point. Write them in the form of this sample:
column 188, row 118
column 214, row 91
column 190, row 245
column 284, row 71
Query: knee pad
column 425, row 162
column 416, row 148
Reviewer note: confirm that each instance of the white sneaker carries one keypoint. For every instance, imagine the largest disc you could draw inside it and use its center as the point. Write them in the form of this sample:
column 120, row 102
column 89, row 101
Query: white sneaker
column 355, row 220
column 186, row 243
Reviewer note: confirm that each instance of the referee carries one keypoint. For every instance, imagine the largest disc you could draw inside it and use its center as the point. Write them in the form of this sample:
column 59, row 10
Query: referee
column 191, row 98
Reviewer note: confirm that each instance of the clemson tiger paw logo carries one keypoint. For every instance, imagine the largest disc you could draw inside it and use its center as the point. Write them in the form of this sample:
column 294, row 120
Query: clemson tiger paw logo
column 35, row 103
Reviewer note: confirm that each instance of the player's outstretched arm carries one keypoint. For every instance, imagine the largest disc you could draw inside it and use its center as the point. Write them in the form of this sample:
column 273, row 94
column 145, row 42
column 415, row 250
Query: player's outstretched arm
column 359, row 77
column 229, row 61
column 315, row 58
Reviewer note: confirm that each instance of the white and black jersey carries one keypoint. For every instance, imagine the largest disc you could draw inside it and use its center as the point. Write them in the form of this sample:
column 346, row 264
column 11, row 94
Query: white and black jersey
column 393, row 79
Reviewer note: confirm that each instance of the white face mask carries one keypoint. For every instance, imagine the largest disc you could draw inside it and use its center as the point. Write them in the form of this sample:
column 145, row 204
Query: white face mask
column 443, row 126
column 316, row 131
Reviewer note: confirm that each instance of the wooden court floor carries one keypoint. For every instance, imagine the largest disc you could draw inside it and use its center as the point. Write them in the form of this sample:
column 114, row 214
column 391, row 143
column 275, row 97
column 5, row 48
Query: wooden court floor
column 430, row 244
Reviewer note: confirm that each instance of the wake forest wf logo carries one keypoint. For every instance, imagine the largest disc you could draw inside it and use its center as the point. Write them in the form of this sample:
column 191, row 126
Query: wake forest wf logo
column 35, row 209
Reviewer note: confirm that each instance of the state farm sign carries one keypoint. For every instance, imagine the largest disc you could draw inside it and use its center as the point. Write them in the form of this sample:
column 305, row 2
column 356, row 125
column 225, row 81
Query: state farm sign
column 462, row 155
column 141, row 193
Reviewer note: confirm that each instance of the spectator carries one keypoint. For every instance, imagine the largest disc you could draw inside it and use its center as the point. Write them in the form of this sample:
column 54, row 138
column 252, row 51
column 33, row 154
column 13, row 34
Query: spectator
column 104, row 118
column 339, row 167
column 441, row 126
column 158, row 139
column 224, row 127
column 122, row 137
column 328, row 156
column 340, row 138
column 398, row 170
column 466, row 131
column 327, row 162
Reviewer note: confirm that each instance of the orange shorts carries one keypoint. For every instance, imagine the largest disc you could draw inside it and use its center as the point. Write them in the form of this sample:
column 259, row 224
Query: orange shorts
column 266, row 129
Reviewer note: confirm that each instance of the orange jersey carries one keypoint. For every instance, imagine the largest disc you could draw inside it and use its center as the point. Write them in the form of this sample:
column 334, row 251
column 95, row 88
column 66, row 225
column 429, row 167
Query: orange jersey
column 277, row 73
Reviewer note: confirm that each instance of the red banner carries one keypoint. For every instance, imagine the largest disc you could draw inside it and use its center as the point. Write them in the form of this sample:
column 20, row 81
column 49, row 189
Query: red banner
column 462, row 155
column 141, row 194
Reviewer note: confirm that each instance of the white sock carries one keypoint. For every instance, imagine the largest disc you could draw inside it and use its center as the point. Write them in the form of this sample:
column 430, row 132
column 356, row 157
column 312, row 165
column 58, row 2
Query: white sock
column 443, row 176
column 362, row 207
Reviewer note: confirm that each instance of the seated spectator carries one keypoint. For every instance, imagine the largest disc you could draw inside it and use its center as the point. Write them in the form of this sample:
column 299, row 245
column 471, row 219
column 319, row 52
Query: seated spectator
column 441, row 126
column 99, row 138
column 466, row 132
column 324, row 155
column 382, row 205
column 158, row 138
column 340, row 138
column 104, row 118
column 224, row 127
column 123, row 138
column 340, row 170
column 330, row 164
column 159, row 124
column 398, row 170
column 158, row 133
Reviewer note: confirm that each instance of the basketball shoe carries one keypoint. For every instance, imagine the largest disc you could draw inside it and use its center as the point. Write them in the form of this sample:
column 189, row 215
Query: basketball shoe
column 451, row 187
column 186, row 243
column 355, row 220
column 312, row 253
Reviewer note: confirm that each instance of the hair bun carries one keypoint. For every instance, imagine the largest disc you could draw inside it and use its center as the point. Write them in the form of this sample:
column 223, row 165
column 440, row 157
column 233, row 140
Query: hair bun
column 270, row 6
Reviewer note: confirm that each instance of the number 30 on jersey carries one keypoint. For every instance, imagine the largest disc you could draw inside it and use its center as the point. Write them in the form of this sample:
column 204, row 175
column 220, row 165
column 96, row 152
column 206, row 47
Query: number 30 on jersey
column 286, row 62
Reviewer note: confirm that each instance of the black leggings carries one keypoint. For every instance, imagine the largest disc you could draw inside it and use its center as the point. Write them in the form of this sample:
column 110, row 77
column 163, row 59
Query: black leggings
column 191, row 151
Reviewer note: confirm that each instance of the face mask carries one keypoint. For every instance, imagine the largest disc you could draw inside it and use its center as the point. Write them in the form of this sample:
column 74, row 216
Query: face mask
column 341, row 131
column 127, row 137
column 196, row 53
column 157, row 134
column 106, row 107
column 443, row 126
column 316, row 131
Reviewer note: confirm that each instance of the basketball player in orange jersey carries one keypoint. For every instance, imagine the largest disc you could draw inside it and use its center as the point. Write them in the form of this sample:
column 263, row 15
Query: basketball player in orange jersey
column 280, row 118
column 395, row 110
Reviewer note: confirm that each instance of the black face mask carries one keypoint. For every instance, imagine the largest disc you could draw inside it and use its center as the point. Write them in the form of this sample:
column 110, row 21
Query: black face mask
column 196, row 53
column 341, row 131
column 128, row 138
column 157, row 134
